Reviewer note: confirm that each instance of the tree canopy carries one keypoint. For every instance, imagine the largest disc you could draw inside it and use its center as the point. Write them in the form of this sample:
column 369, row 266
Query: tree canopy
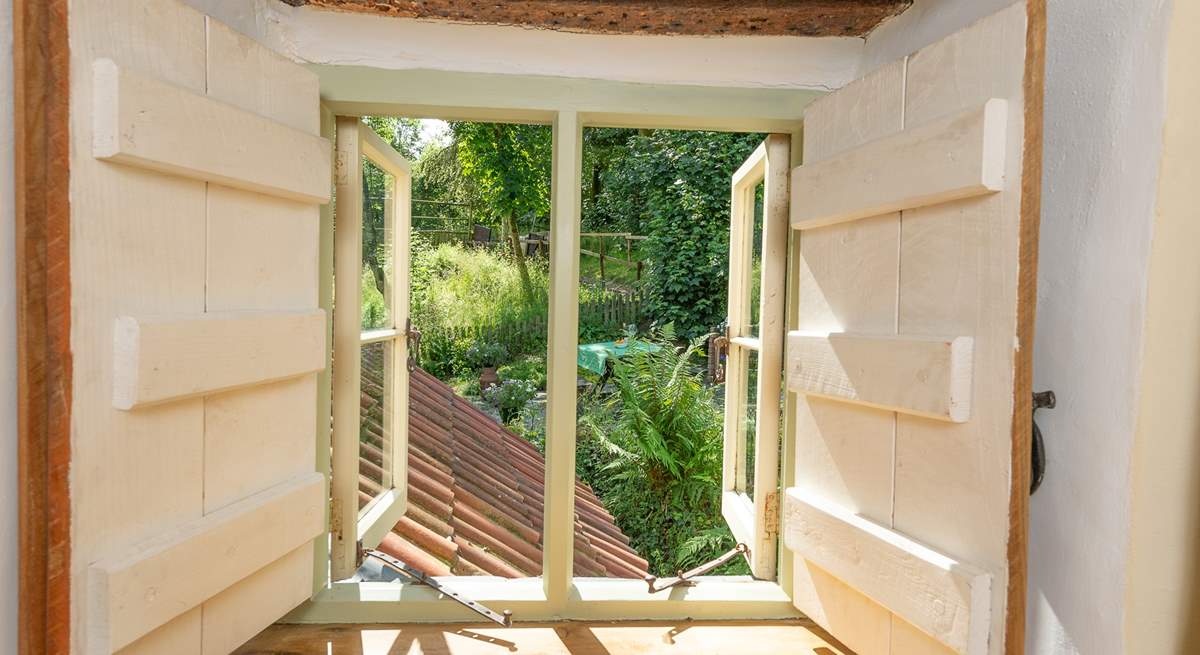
column 673, row 187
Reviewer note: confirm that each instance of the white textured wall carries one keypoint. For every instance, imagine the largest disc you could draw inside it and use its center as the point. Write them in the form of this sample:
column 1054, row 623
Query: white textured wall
column 1103, row 122
column 8, row 348
column 340, row 38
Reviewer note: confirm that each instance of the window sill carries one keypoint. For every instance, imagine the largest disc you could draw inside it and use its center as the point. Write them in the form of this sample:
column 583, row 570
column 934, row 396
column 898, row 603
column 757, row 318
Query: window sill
column 725, row 597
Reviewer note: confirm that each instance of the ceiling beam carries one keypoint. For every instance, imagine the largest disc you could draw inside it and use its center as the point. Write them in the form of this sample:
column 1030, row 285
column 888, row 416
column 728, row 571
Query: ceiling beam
column 690, row 17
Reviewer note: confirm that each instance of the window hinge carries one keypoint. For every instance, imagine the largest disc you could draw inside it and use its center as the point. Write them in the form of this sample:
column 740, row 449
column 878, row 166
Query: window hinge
column 718, row 352
column 414, row 344
column 335, row 518
column 771, row 514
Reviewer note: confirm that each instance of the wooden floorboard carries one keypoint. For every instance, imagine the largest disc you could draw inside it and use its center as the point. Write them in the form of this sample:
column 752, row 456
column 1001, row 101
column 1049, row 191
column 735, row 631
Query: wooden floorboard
column 799, row 637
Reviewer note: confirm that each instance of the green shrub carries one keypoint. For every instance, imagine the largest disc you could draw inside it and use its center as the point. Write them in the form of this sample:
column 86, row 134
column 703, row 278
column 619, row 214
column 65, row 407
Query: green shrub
column 661, row 434
column 455, row 287
column 510, row 397
column 531, row 368
column 445, row 357
column 486, row 355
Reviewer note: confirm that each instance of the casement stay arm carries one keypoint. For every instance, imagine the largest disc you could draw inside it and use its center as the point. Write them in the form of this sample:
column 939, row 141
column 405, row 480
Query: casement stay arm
column 501, row 618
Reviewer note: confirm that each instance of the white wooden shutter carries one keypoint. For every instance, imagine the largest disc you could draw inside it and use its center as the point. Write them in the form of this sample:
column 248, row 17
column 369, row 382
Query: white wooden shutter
column 196, row 176
column 368, row 504
column 749, row 492
column 911, row 360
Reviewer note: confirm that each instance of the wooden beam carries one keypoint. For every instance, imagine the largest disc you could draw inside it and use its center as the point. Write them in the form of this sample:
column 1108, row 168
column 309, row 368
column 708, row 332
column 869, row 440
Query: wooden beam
column 171, row 573
column 695, row 17
column 946, row 159
column 142, row 121
column 41, row 166
column 945, row 598
column 163, row 358
column 1033, row 83
column 921, row 375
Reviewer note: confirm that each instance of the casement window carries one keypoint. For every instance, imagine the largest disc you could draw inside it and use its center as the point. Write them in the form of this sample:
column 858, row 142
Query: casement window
column 370, row 413
column 758, row 244
column 886, row 365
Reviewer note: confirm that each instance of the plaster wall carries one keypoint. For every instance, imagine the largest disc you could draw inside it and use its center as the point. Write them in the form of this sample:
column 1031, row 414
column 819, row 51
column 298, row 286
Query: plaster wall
column 1103, row 119
column 338, row 38
column 8, row 347
column 1163, row 598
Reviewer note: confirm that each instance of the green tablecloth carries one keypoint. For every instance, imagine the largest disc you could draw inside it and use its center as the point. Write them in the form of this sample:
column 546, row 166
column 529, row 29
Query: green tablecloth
column 594, row 356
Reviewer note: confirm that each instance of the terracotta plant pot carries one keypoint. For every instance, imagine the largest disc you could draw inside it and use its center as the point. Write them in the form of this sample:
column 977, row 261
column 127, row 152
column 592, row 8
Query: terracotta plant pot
column 488, row 378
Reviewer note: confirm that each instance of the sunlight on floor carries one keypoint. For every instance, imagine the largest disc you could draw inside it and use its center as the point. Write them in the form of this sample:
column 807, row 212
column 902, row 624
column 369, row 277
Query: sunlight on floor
column 800, row 637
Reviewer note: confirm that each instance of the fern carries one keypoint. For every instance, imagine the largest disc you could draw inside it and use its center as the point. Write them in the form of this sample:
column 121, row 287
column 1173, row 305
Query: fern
column 660, row 437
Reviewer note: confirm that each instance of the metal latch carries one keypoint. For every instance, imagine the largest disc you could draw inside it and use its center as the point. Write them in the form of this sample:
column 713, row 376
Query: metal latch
column 685, row 577
column 502, row 618
column 414, row 344
column 1037, row 454
column 718, row 352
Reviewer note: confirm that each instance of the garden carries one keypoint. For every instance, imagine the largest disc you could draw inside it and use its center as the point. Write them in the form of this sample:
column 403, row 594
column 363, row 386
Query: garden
column 653, row 273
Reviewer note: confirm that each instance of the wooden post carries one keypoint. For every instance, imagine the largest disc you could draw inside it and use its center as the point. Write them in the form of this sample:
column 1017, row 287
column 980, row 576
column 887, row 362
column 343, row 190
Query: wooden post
column 601, row 258
column 347, row 320
column 559, row 534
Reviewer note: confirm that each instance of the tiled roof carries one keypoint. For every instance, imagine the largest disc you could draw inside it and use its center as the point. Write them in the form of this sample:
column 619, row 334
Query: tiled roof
column 475, row 494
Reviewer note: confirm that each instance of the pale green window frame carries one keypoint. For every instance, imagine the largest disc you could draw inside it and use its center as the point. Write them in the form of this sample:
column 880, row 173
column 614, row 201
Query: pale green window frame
column 568, row 105
column 353, row 528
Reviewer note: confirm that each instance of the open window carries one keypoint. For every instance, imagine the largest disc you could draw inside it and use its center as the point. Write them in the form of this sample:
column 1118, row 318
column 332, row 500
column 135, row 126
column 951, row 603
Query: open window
column 758, row 241
column 197, row 515
column 371, row 336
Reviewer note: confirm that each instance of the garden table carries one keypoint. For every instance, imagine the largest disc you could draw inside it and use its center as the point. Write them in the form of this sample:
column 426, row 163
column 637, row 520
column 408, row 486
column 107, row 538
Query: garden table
column 598, row 357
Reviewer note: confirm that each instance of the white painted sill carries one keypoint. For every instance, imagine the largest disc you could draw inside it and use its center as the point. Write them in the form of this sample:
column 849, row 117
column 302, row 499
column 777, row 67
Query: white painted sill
column 715, row 597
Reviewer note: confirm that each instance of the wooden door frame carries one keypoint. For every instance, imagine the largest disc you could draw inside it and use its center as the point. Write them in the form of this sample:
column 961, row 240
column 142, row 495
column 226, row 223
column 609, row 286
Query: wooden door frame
column 41, row 163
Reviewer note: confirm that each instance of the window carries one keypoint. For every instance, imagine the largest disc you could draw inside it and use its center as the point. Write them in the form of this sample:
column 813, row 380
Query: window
column 371, row 349
column 754, row 364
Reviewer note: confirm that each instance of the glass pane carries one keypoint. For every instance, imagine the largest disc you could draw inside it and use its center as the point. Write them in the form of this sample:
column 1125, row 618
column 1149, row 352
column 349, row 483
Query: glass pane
column 377, row 238
column 748, row 421
column 477, row 405
column 756, row 250
column 375, row 426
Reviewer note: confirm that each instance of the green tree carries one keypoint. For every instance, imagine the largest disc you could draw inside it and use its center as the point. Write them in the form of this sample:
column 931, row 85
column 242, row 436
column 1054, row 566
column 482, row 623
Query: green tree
column 673, row 187
column 603, row 148
column 510, row 166
column 403, row 134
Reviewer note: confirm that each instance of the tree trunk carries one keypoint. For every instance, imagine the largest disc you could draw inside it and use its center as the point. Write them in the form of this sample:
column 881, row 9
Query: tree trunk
column 514, row 238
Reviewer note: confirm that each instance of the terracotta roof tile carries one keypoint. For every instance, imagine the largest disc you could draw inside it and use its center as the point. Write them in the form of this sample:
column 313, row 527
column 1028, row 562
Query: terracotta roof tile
column 475, row 492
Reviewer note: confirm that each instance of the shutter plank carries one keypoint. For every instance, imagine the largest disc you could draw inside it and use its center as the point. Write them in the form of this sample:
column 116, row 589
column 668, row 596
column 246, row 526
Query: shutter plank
column 945, row 598
column 924, row 376
column 174, row 572
column 142, row 121
column 164, row 358
column 847, row 282
column 946, row 159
